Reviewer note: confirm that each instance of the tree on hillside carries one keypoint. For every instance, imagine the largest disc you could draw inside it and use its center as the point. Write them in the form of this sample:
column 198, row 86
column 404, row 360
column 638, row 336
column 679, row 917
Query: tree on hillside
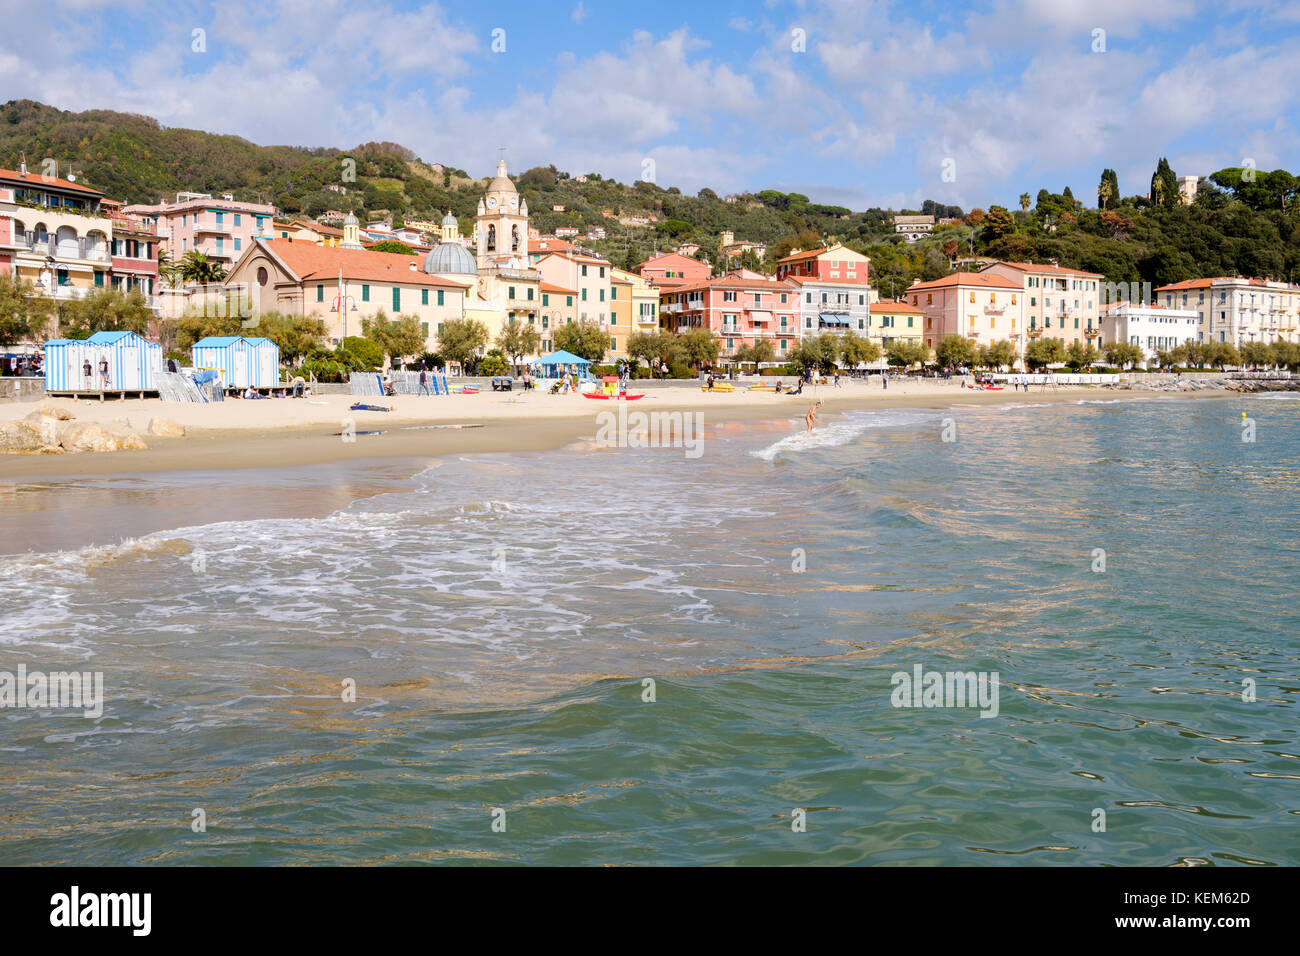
column 997, row 223
column 1164, row 184
column 1107, row 189
column 1025, row 201
column 517, row 339
column 585, row 339
column 393, row 245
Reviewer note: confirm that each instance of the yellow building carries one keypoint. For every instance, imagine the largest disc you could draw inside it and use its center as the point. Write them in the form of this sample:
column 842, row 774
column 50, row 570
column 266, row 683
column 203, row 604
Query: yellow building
column 892, row 321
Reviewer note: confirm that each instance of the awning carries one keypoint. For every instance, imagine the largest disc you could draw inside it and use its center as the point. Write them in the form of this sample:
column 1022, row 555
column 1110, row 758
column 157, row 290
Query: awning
column 839, row 319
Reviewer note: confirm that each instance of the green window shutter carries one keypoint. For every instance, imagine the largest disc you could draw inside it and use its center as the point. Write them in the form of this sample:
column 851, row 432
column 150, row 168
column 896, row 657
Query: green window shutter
column 569, row 300
column 320, row 293
column 397, row 299
column 440, row 297
column 365, row 293
column 424, row 300
column 546, row 299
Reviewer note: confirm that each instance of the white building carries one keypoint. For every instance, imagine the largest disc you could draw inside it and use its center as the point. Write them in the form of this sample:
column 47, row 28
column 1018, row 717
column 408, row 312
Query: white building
column 913, row 228
column 1151, row 327
column 1237, row 310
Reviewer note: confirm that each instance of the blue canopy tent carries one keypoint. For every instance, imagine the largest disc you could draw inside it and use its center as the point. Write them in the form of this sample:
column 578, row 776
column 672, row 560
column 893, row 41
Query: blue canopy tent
column 556, row 364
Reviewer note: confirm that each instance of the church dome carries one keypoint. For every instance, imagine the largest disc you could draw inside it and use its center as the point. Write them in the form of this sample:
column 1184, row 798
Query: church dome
column 450, row 258
column 449, row 220
column 350, row 220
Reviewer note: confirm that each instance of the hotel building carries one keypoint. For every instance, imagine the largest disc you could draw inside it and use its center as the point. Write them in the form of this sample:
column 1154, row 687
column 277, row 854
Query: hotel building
column 1237, row 310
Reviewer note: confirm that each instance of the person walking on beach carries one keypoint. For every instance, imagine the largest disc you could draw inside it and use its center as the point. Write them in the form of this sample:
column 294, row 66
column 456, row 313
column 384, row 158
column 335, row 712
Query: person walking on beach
column 811, row 417
column 424, row 382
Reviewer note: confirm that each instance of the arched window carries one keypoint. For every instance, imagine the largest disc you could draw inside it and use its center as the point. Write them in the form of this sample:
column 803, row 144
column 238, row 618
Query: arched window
column 492, row 239
column 514, row 238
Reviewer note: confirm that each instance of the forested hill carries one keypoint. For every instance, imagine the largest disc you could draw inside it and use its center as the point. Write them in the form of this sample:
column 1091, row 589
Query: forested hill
column 1245, row 225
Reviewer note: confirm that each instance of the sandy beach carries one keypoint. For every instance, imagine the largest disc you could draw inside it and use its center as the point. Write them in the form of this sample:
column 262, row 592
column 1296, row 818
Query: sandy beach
column 272, row 433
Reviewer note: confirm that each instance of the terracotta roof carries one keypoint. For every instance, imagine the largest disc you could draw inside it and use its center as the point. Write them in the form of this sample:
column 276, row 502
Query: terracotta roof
column 547, row 287
column 735, row 282
column 1044, row 267
column 889, row 306
column 310, row 262
column 13, row 176
column 965, row 279
column 796, row 256
column 672, row 256
column 1239, row 280
column 813, row 280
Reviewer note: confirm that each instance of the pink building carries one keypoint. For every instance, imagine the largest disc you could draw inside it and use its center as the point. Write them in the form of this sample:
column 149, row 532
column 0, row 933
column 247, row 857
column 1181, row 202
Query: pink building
column 670, row 270
column 738, row 310
column 220, row 228
column 134, row 247
column 835, row 263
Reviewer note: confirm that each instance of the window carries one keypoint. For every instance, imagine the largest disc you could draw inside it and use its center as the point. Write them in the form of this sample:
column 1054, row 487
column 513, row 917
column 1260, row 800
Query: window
column 221, row 242
column 546, row 323
column 397, row 299
column 929, row 299
column 731, row 343
column 99, row 279
column 584, row 271
column 440, row 297
column 238, row 243
column 424, row 326
column 602, row 295
column 783, row 345
column 862, row 300
column 728, row 296
column 613, row 342
column 320, row 293
column 909, row 322
column 530, row 294
column 221, row 218
column 602, row 272
column 546, row 299
column 424, row 298
column 784, row 298
column 807, row 323
column 808, row 297
column 568, row 300
column 1013, row 298
column 511, row 293
column 365, row 293
column 972, row 297
column 238, row 219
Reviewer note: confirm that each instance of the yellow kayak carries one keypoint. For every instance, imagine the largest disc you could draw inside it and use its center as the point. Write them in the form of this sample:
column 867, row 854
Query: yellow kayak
column 718, row 387
column 762, row 388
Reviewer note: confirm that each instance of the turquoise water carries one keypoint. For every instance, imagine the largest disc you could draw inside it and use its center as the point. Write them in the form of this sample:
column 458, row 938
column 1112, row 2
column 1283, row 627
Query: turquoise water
column 499, row 615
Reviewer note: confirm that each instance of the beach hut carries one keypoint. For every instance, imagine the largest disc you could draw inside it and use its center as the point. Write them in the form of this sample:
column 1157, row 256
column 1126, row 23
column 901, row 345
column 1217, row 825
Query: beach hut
column 264, row 370
column 133, row 362
column 231, row 355
column 242, row 362
column 557, row 364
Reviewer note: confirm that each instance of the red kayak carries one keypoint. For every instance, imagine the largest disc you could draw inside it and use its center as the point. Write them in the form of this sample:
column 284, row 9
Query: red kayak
column 626, row 398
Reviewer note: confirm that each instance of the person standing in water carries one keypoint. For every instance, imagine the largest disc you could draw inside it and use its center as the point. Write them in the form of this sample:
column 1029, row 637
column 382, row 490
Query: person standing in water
column 811, row 417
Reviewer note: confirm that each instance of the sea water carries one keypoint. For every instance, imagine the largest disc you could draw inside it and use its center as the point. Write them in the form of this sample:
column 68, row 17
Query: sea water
column 601, row 655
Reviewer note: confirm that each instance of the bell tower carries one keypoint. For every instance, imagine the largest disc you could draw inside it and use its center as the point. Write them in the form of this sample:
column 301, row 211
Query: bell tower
column 501, row 225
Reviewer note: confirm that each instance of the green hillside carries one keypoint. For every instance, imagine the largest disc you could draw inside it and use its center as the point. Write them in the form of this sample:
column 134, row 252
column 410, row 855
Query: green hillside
column 1244, row 222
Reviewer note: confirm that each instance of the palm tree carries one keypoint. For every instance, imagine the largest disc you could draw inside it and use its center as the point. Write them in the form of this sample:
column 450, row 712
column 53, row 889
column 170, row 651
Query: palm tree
column 197, row 267
column 168, row 269
column 1024, row 201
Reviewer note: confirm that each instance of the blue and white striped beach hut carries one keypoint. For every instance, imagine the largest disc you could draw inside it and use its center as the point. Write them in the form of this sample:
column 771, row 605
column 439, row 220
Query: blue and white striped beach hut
column 264, row 371
column 231, row 355
column 133, row 363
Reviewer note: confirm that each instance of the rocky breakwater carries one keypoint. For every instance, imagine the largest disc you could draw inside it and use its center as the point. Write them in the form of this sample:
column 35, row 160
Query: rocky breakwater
column 54, row 430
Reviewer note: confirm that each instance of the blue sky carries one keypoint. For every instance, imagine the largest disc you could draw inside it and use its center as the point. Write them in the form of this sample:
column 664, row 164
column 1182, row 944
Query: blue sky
column 885, row 103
